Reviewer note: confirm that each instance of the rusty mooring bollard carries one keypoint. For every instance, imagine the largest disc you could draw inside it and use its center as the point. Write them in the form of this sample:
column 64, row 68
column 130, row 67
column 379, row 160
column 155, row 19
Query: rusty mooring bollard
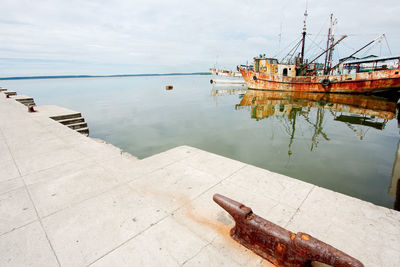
column 278, row 245
column 31, row 108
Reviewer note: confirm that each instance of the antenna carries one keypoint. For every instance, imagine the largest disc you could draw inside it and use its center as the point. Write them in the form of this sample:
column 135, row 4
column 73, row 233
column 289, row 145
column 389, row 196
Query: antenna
column 305, row 17
column 304, row 34
column 280, row 33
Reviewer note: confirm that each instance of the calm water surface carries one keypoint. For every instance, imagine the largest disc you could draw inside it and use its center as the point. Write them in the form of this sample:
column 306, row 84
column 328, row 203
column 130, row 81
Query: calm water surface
column 341, row 142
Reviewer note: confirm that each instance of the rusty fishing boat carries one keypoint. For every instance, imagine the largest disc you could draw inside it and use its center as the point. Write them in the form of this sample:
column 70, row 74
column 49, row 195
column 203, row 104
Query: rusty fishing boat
column 351, row 75
column 226, row 77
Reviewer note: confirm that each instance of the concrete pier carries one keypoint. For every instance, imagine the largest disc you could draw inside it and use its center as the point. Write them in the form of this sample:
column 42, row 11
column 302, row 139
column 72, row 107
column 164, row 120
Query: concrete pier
column 69, row 200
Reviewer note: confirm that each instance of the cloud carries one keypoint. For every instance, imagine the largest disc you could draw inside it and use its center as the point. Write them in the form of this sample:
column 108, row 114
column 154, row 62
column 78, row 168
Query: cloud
column 108, row 37
column 258, row 40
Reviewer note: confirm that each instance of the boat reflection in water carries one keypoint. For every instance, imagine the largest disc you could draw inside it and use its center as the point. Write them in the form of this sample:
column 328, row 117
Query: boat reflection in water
column 279, row 103
column 371, row 111
column 358, row 112
column 229, row 89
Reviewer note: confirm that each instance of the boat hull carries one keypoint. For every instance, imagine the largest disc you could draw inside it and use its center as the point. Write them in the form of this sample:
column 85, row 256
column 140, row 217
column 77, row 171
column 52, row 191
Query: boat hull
column 365, row 82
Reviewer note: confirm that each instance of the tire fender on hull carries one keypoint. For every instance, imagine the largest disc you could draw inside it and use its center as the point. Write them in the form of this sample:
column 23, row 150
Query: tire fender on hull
column 325, row 82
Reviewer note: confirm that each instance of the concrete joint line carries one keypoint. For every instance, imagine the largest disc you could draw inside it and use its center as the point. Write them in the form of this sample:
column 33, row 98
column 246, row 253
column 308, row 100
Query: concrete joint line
column 12, row 156
column 19, row 227
column 6, row 192
column 55, row 166
column 205, row 191
column 157, row 169
column 298, row 209
column 195, row 255
column 126, row 183
column 41, row 223
column 129, row 239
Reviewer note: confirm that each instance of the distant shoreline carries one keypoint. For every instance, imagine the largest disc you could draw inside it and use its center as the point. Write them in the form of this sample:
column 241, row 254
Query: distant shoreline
column 100, row 76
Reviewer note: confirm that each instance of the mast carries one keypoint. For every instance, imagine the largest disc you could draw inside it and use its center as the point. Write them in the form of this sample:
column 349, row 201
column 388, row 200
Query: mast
column 304, row 37
column 328, row 68
column 329, row 47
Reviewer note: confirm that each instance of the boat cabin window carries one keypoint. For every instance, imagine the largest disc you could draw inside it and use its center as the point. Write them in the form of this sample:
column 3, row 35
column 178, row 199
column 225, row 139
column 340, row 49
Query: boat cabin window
column 284, row 72
column 272, row 60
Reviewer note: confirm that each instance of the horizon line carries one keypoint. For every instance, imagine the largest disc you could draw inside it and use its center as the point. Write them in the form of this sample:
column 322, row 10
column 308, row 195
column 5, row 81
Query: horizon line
column 101, row 76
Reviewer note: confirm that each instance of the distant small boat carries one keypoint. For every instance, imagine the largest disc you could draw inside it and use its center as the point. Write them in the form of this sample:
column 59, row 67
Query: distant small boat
column 231, row 81
column 230, row 73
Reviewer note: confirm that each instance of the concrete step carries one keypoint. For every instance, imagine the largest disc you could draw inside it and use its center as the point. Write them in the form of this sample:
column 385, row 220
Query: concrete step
column 10, row 93
column 78, row 125
column 66, row 116
column 71, row 121
column 24, row 99
column 26, row 102
column 84, row 131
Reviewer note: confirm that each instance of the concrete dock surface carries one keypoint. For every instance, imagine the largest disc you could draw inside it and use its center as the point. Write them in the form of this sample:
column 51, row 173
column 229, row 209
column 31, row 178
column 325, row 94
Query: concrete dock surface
column 69, row 200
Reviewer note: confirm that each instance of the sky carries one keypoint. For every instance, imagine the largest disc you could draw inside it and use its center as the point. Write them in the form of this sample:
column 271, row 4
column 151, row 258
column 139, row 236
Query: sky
column 98, row 37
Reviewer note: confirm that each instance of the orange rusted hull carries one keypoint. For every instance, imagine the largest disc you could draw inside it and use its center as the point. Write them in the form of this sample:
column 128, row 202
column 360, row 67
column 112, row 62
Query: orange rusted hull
column 358, row 83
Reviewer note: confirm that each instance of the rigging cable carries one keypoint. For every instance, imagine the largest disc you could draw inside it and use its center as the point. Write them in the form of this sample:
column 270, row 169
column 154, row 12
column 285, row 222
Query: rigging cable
column 318, row 34
column 293, row 49
column 277, row 54
column 294, row 52
column 390, row 51
column 315, row 45
column 349, row 47
column 337, row 54
column 370, row 48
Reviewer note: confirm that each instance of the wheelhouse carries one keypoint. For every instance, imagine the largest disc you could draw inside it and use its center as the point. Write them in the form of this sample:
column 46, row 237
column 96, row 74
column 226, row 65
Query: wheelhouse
column 271, row 66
